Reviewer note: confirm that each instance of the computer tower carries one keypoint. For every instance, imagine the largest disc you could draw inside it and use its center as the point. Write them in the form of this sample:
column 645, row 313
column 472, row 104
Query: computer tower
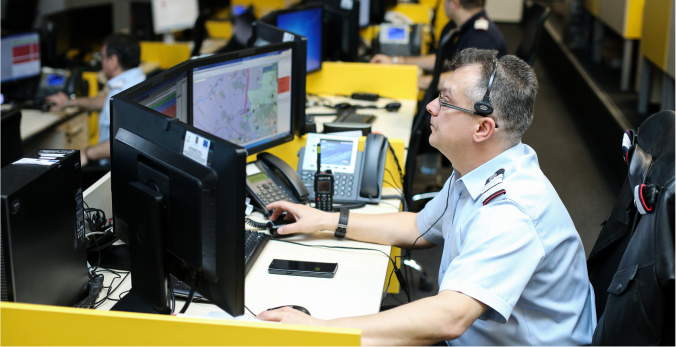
column 44, row 258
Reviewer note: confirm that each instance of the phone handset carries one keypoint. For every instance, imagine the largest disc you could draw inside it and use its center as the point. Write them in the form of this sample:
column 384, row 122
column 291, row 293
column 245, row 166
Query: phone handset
column 270, row 179
column 375, row 153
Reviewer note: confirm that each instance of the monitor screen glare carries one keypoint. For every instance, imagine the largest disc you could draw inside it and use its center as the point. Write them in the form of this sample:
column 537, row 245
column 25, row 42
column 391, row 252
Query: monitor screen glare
column 306, row 23
column 245, row 101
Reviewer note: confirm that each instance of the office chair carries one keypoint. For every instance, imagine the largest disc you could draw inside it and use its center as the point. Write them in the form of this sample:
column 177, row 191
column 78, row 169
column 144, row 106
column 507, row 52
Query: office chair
column 532, row 25
column 631, row 266
column 422, row 118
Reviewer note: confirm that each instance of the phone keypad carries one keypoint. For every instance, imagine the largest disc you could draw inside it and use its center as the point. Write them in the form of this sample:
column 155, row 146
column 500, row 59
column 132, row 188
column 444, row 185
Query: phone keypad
column 269, row 192
column 343, row 187
column 324, row 202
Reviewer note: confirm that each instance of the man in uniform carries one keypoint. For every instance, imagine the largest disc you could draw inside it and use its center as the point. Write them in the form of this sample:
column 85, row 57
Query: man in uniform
column 476, row 30
column 513, row 269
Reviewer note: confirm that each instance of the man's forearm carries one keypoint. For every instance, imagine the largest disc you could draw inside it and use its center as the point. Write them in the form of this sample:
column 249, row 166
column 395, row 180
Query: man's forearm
column 425, row 62
column 99, row 151
column 396, row 229
column 94, row 104
column 443, row 317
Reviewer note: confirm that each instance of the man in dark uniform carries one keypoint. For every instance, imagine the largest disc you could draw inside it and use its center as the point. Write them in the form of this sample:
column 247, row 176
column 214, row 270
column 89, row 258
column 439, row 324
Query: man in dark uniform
column 475, row 30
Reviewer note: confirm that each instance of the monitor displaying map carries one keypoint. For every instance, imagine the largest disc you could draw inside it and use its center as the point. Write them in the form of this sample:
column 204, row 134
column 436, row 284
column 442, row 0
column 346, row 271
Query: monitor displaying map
column 245, row 101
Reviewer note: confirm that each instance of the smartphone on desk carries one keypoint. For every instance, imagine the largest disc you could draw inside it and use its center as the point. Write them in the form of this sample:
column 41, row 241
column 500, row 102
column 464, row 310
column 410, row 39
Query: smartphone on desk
column 302, row 268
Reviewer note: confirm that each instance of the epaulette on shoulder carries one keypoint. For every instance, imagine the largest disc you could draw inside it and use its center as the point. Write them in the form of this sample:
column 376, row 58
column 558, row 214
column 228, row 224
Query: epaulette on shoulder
column 494, row 186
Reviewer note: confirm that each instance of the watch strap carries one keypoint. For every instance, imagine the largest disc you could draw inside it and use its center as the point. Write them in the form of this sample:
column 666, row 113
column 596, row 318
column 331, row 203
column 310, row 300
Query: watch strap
column 341, row 230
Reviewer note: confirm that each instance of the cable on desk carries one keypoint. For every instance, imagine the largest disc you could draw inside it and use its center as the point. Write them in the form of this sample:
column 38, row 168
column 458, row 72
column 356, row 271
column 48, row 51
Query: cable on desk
column 249, row 311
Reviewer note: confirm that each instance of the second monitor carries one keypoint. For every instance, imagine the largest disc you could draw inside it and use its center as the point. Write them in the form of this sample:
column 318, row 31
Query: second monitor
column 245, row 97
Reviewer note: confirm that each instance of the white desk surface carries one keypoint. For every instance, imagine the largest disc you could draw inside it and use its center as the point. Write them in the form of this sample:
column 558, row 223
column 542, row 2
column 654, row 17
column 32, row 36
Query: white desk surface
column 35, row 121
column 396, row 125
column 356, row 289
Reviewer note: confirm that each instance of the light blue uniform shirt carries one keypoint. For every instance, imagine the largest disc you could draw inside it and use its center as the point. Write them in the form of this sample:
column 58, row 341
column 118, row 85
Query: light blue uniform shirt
column 519, row 254
column 127, row 79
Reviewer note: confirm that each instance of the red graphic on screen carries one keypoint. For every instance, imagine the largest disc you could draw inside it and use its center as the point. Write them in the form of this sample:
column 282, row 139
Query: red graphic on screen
column 171, row 111
column 283, row 84
column 22, row 53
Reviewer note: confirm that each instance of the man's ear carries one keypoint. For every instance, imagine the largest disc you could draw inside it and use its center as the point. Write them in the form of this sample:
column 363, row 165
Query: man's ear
column 113, row 58
column 484, row 130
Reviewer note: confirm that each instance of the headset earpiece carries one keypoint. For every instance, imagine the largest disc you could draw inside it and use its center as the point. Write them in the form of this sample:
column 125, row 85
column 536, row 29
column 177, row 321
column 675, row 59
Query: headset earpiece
column 484, row 106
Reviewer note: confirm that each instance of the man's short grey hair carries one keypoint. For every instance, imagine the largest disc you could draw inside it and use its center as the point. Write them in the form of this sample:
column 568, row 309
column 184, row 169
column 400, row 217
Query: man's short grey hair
column 512, row 93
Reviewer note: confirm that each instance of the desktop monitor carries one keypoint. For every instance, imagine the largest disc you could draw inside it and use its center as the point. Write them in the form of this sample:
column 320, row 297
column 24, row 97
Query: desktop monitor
column 245, row 97
column 305, row 21
column 265, row 34
column 174, row 15
column 168, row 95
column 364, row 13
column 20, row 56
column 176, row 206
column 341, row 29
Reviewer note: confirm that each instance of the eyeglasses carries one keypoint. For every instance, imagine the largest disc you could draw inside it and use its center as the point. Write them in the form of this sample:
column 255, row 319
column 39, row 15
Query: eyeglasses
column 445, row 104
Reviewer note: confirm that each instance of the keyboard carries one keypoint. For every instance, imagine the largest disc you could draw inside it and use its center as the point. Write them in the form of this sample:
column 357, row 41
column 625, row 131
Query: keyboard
column 254, row 243
column 352, row 116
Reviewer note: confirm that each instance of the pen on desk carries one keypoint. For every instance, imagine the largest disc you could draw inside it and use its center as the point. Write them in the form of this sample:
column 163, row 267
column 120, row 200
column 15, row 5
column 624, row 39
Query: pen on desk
column 321, row 114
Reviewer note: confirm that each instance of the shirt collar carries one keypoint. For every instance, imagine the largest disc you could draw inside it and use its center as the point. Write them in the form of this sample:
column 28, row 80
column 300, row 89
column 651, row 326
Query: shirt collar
column 475, row 180
column 470, row 23
column 118, row 81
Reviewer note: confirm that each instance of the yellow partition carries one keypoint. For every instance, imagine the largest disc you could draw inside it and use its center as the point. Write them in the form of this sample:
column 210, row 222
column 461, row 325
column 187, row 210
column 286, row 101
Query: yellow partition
column 418, row 13
column 90, row 77
column 441, row 21
column 27, row 324
column 656, row 21
column 219, row 29
column 263, row 7
column 392, row 81
column 167, row 55
column 634, row 21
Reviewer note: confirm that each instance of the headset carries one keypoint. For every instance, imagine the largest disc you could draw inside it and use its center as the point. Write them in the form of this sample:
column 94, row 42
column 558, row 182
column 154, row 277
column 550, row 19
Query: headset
column 484, row 107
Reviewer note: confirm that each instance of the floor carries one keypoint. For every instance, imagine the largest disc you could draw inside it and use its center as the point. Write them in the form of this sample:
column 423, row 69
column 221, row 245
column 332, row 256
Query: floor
column 563, row 157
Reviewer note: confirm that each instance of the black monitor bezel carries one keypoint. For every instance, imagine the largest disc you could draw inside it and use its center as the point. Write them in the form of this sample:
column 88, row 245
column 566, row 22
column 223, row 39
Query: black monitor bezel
column 245, row 53
column 333, row 8
column 228, row 291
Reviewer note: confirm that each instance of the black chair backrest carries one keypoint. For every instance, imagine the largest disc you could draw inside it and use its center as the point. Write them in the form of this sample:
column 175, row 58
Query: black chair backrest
column 421, row 119
column 12, row 149
column 532, row 25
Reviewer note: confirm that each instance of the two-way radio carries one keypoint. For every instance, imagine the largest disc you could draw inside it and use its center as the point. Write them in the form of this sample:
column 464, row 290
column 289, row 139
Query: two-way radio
column 323, row 185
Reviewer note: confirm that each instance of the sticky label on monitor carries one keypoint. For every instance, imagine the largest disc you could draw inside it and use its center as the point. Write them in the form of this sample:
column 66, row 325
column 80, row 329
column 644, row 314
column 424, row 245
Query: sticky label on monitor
column 288, row 37
column 196, row 147
column 346, row 4
column 33, row 161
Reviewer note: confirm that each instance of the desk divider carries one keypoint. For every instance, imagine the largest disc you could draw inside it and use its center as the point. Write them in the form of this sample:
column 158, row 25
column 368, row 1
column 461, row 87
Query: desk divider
column 263, row 7
column 658, row 15
column 167, row 55
column 29, row 324
column 417, row 13
column 391, row 81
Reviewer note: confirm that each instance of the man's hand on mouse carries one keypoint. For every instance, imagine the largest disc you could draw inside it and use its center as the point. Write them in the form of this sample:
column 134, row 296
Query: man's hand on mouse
column 288, row 315
column 308, row 219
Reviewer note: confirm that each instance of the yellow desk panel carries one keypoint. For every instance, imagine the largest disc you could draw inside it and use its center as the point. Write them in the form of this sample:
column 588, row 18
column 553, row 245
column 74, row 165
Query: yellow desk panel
column 27, row 324
column 392, row 81
column 657, row 16
column 167, row 55
column 90, row 77
column 219, row 29
column 592, row 6
column 263, row 7
column 418, row 13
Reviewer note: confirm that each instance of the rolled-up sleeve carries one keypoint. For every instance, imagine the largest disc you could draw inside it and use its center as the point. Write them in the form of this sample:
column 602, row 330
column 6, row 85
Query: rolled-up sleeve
column 497, row 258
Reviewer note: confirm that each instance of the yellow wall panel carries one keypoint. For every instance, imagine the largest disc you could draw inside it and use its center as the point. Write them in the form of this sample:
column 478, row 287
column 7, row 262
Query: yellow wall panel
column 219, row 29
column 656, row 21
column 26, row 324
column 418, row 13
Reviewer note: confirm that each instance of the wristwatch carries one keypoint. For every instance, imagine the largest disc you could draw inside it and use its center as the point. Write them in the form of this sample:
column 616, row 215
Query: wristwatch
column 341, row 230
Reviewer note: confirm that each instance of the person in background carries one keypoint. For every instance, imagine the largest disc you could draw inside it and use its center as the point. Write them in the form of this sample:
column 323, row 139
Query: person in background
column 120, row 58
column 475, row 30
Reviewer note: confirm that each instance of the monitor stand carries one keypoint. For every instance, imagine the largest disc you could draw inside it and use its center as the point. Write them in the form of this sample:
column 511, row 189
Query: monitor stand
column 149, row 280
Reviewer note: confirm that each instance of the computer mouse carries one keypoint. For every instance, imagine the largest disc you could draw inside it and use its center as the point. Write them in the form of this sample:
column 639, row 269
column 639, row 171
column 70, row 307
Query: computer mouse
column 342, row 106
column 295, row 307
column 393, row 106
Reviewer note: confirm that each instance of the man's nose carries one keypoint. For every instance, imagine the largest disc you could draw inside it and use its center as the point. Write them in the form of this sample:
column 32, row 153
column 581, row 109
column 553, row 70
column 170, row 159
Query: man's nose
column 433, row 107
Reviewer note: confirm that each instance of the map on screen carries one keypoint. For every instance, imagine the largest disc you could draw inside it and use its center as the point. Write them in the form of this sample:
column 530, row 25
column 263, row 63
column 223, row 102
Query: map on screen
column 239, row 106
